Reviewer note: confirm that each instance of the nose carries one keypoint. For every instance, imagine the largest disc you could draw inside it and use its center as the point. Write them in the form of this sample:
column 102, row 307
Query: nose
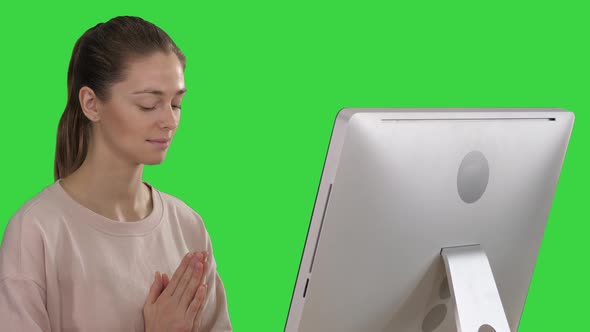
column 169, row 118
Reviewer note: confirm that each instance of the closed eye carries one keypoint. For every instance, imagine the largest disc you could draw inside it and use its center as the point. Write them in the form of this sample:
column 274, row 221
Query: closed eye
column 153, row 108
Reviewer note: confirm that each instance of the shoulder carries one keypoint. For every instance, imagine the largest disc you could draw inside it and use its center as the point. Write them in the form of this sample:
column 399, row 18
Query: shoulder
column 178, row 205
column 35, row 214
column 26, row 235
column 178, row 209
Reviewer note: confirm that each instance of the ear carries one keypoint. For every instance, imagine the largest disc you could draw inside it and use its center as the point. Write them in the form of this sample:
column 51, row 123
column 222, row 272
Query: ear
column 90, row 103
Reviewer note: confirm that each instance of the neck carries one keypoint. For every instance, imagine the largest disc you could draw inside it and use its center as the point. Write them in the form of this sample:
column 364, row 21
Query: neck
column 110, row 187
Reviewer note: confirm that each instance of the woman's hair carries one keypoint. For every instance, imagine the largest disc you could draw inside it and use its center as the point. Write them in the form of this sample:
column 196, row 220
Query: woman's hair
column 100, row 58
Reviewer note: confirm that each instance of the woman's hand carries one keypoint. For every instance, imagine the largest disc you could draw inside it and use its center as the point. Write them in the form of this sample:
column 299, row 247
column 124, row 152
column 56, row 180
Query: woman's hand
column 176, row 305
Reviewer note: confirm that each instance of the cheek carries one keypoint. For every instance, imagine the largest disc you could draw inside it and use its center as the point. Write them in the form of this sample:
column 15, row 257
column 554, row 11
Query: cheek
column 127, row 125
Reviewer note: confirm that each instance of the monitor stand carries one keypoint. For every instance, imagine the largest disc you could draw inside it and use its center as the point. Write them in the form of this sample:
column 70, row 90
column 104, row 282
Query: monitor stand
column 472, row 284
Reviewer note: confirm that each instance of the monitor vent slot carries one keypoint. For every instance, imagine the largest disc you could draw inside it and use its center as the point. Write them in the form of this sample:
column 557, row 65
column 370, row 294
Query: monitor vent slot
column 465, row 119
column 305, row 289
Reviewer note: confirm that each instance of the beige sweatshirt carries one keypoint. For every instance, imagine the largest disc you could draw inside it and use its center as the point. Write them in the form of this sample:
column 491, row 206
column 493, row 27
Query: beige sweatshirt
column 66, row 268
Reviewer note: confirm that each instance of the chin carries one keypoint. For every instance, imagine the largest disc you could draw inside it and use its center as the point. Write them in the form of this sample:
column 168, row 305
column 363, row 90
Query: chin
column 152, row 161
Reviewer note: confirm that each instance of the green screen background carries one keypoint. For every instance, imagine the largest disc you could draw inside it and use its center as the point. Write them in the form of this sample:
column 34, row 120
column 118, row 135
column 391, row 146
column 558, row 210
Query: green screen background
column 265, row 82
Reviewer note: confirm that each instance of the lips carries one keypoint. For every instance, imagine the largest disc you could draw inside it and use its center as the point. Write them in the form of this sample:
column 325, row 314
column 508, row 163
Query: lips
column 159, row 140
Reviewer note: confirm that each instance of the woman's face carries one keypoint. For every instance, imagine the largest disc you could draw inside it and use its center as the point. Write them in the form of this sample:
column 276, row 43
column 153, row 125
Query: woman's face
column 143, row 109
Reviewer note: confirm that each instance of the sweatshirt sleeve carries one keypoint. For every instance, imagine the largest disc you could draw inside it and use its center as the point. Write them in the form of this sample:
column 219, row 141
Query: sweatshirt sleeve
column 22, row 306
column 22, row 277
column 215, row 316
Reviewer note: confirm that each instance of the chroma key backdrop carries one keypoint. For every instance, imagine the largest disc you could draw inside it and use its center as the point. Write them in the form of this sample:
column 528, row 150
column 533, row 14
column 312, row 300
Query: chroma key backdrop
column 265, row 81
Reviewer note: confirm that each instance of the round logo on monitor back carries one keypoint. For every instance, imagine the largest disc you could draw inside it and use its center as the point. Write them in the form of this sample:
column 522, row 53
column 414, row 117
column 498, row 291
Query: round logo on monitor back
column 473, row 176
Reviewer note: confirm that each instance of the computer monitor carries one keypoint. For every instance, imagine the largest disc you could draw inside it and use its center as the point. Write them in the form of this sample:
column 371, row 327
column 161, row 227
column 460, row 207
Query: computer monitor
column 429, row 220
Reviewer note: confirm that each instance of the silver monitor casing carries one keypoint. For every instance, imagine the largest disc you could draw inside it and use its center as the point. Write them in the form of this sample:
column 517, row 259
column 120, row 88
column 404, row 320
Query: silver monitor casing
column 389, row 201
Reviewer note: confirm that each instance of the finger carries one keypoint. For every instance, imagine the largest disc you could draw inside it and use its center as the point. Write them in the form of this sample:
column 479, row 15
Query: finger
column 195, row 309
column 165, row 280
column 206, row 255
column 183, row 283
column 177, row 275
column 203, row 278
column 199, row 255
column 154, row 289
column 191, row 289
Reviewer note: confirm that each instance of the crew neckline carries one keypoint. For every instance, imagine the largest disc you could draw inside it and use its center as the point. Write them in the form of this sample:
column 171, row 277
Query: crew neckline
column 107, row 225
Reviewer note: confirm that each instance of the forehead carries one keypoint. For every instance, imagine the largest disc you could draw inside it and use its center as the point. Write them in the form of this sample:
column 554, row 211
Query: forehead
column 155, row 72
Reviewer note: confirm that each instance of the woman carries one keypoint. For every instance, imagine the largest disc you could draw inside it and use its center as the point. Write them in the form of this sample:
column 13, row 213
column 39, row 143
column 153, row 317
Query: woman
column 85, row 254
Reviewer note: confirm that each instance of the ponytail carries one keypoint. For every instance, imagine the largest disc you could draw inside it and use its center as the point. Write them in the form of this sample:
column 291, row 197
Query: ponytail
column 73, row 129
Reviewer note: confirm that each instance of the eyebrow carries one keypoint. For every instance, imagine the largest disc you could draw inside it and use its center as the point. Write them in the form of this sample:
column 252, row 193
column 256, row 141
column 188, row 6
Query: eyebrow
column 159, row 92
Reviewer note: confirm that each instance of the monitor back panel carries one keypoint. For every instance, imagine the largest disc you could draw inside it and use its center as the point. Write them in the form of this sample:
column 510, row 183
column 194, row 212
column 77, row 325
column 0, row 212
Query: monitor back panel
column 400, row 184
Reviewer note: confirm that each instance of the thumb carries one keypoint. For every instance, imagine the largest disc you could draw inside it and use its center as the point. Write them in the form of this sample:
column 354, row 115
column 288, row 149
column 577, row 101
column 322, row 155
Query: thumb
column 155, row 289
